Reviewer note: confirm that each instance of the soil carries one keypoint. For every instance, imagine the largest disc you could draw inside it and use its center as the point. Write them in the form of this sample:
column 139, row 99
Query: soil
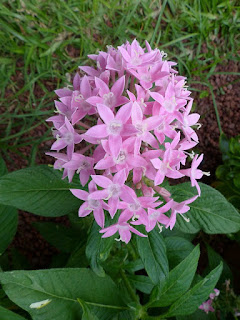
column 226, row 89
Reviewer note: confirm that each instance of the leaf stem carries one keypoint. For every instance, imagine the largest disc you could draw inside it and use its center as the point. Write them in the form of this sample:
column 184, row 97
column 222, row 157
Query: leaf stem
column 129, row 287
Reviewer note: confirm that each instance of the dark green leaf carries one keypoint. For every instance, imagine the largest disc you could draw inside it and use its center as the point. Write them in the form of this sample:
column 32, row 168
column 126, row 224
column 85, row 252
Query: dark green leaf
column 191, row 300
column 8, row 217
column 6, row 314
column 177, row 249
column 8, row 225
column 97, row 249
column 198, row 315
column 213, row 260
column 39, row 190
column 179, row 280
column 3, row 168
column 141, row 283
column 211, row 212
column 152, row 251
column 78, row 258
column 224, row 146
column 53, row 294
column 87, row 315
column 63, row 238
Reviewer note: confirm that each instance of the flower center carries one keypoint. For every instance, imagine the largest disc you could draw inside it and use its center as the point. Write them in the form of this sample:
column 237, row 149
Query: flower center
column 154, row 215
column 161, row 127
column 114, row 127
column 141, row 128
column 170, row 104
column 83, row 166
column 68, row 137
column 121, row 158
column 77, row 96
column 85, row 105
column 93, row 204
column 109, row 99
column 134, row 206
column 114, row 190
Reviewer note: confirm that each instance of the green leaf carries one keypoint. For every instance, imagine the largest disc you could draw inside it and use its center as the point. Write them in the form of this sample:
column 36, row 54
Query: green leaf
column 198, row 315
column 211, row 212
column 224, row 146
column 3, row 168
column 152, row 251
column 179, row 280
column 141, row 283
column 177, row 249
column 39, row 190
column 213, row 260
column 6, row 314
column 63, row 238
column 78, row 258
column 8, row 218
column 87, row 315
column 98, row 249
column 53, row 293
column 191, row 300
column 8, row 226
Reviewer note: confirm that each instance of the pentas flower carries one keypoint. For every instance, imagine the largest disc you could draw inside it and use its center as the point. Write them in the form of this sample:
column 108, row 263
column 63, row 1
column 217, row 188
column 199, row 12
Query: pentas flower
column 206, row 306
column 110, row 98
column 125, row 127
column 113, row 189
column 90, row 204
column 123, row 228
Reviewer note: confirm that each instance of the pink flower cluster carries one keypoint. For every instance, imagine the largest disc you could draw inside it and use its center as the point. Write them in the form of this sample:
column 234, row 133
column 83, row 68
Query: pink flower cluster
column 140, row 133
column 206, row 306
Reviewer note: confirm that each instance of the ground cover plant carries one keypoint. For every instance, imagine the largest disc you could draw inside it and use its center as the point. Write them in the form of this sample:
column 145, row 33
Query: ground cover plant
column 142, row 281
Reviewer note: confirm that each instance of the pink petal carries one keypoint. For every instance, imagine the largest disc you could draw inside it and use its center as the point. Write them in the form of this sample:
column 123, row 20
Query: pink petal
column 76, row 82
column 89, row 70
column 83, row 211
column 105, row 163
column 137, row 232
column 111, row 231
column 159, row 178
column 101, row 181
column 156, row 163
column 105, row 113
column 84, row 177
column 94, row 100
column 85, row 87
column 137, row 114
column 125, row 235
column 80, row 194
column 153, row 122
column 124, row 54
column 115, row 144
column 98, row 131
column 124, row 112
column 136, row 161
column 99, row 195
column 193, row 118
column 63, row 92
column 120, row 177
column 157, row 97
column 118, row 86
column 58, row 145
column 125, row 216
column 101, row 85
column 99, row 216
column 113, row 204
